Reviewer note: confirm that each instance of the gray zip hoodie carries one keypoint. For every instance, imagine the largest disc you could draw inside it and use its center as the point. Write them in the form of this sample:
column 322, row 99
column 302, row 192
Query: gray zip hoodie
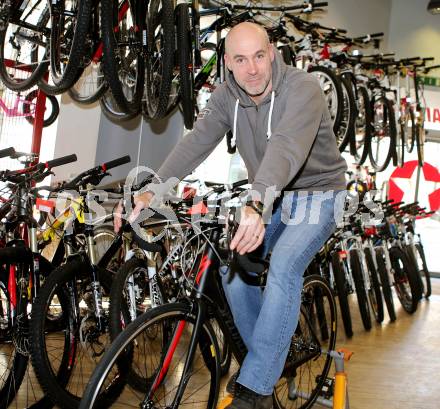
column 286, row 142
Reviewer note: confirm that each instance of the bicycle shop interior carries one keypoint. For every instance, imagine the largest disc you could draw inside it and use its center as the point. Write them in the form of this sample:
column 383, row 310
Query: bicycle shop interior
column 100, row 105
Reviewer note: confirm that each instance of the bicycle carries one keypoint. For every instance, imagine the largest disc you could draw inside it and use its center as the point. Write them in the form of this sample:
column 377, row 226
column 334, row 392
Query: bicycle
column 182, row 332
column 25, row 107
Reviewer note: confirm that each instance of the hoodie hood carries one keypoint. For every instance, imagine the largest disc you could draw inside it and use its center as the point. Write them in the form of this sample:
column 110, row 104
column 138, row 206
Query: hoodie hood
column 278, row 72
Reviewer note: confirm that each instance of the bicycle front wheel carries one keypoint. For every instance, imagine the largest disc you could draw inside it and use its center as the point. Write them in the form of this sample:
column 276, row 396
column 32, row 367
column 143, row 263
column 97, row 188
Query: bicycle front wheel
column 156, row 345
column 307, row 363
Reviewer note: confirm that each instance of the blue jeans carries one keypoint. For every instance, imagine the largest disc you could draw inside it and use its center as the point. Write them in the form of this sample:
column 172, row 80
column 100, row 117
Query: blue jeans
column 267, row 319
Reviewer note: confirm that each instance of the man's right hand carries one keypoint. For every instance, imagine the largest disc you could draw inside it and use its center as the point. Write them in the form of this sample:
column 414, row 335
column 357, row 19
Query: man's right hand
column 141, row 202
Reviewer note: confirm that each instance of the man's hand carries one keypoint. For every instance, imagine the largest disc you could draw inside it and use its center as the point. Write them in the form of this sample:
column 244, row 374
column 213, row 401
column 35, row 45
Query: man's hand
column 250, row 232
column 141, row 201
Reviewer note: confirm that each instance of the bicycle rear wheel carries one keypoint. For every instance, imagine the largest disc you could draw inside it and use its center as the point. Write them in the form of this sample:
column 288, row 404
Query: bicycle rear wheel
column 23, row 51
column 307, row 364
column 406, row 281
column 70, row 22
column 332, row 89
column 123, row 60
column 185, row 60
column 160, row 60
column 362, row 125
column 383, row 139
column 156, row 345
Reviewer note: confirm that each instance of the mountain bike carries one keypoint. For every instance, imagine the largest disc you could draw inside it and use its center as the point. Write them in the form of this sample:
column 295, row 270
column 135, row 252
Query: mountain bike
column 174, row 350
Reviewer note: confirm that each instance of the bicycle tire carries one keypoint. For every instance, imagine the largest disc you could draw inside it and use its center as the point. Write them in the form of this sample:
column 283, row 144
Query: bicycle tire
column 346, row 133
column 390, row 132
column 23, row 84
column 111, row 110
column 53, row 104
column 127, row 340
column 124, row 66
column 385, row 282
column 160, row 60
column 64, row 78
column 57, row 388
column 286, row 53
column 405, row 278
column 10, row 384
column 423, row 272
column 96, row 90
column 374, row 293
column 361, row 291
column 364, row 120
column 342, row 292
column 185, row 61
column 315, row 367
column 334, row 82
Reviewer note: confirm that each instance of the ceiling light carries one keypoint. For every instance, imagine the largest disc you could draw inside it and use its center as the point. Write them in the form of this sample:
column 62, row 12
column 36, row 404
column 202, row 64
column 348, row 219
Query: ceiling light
column 434, row 6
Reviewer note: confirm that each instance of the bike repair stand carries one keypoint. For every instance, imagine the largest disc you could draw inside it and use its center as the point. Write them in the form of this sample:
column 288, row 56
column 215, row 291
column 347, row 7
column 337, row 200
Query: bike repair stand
column 335, row 392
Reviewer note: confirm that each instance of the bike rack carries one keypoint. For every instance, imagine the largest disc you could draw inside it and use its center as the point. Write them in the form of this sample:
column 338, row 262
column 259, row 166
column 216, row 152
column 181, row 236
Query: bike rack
column 37, row 131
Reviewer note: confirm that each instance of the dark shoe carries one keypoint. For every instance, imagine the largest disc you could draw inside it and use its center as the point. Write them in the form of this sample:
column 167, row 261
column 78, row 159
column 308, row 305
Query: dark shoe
column 230, row 386
column 244, row 398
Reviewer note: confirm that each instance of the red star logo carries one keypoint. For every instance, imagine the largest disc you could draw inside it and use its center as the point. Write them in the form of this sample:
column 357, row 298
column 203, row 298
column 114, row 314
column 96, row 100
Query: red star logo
column 403, row 184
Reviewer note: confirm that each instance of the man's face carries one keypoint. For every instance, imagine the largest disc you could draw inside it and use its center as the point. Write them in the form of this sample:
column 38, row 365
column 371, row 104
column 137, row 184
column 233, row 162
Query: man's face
column 250, row 59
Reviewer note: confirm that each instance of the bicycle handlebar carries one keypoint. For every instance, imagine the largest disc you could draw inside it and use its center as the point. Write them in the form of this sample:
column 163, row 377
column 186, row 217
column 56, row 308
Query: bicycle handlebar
column 64, row 160
column 7, row 152
column 116, row 162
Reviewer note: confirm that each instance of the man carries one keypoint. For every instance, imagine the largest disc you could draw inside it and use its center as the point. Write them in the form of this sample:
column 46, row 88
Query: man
column 283, row 132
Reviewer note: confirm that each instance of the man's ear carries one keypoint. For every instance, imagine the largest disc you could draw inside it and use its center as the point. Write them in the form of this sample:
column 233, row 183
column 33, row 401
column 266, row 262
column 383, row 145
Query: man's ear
column 227, row 62
column 271, row 52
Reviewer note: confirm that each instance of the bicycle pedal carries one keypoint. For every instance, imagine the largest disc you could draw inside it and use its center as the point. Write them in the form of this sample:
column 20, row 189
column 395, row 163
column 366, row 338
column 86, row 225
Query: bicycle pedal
column 227, row 400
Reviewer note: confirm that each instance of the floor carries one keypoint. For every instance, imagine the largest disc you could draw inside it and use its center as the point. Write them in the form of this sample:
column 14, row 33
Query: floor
column 394, row 366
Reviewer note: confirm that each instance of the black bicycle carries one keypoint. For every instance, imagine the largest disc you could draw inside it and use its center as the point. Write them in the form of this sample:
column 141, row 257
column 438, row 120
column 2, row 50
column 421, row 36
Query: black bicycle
column 174, row 350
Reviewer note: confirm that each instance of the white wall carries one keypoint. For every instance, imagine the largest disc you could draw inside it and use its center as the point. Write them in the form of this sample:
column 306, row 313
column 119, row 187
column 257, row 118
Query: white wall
column 78, row 129
column 414, row 31
column 359, row 17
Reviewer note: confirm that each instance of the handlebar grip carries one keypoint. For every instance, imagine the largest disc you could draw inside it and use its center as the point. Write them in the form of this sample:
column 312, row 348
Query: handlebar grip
column 240, row 183
column 64, row 160
column 7, row 152
column 321, row 4
column 116, row 162
column 376, row 35
column 428, row 59
column 342, row 30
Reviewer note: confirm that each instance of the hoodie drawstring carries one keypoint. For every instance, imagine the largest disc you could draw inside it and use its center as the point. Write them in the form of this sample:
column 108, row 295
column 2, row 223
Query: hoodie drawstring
column 234, row 129
column 269, row 130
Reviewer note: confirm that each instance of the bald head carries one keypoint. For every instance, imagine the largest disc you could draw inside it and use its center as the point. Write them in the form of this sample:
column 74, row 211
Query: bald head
column 243, row 31
column 249, row 56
